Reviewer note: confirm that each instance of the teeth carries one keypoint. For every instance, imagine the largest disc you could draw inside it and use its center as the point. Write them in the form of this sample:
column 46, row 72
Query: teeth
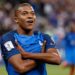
column 30, row 21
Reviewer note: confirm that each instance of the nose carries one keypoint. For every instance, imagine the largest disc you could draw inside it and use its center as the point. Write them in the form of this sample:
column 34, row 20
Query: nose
column 29, row 14
column 30, row 17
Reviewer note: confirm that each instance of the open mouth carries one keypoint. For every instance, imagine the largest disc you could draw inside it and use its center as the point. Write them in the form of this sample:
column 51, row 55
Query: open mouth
column 30, row 21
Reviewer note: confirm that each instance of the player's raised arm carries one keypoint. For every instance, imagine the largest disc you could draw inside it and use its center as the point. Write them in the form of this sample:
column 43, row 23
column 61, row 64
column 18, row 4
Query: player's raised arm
column 50, row 56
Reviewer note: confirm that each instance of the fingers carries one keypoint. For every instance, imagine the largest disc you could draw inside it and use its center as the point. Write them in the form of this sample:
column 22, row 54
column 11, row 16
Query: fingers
column 43, row 47
column 19, row 47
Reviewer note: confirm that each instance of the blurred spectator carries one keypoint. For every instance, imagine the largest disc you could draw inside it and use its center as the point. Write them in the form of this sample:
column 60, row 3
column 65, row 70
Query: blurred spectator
column 0, row 56
column 69, row 46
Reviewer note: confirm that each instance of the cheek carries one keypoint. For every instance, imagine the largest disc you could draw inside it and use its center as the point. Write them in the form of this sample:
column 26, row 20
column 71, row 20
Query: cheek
column 22, row 18
column 34, row 17
column 21, row 22
column 34, row 20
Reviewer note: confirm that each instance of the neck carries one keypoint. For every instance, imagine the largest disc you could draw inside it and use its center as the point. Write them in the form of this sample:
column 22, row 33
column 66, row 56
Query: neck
column 25, row 32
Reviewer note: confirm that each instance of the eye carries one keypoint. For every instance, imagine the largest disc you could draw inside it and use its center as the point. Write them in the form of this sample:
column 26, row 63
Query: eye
column 33, row 13
column 24, row 13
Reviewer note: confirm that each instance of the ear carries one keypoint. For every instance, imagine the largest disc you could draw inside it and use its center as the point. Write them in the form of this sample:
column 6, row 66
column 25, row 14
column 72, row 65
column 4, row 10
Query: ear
column 16, row 16
column 16, row 19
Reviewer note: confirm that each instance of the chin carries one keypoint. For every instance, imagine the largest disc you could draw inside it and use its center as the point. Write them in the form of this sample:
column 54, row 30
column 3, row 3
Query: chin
column 29, row 29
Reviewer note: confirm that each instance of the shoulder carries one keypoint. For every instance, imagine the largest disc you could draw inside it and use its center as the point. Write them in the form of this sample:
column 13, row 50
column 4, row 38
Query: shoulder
column 42, row 35
column 46, row 36
column 8, row 34
column 8, row 45
column 7, row 37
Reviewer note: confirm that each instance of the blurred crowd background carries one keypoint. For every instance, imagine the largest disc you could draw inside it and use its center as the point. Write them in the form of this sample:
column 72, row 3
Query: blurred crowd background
column 53, row 16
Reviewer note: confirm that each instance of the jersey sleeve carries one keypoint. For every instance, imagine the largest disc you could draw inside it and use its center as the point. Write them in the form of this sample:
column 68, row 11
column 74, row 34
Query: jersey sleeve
column 8, row 47
column 49, row 42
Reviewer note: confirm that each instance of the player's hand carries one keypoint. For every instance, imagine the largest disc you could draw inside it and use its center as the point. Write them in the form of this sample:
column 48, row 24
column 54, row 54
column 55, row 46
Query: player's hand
column 21, row 50
column 43, row 47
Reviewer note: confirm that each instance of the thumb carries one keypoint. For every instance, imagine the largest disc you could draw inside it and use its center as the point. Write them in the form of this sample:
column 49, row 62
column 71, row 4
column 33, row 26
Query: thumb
column 43, row 47
column 19, row 47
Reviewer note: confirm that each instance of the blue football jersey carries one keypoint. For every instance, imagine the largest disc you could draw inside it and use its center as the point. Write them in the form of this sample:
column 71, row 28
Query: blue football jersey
column 69, row 45
column 31, row 44
column 69, row 40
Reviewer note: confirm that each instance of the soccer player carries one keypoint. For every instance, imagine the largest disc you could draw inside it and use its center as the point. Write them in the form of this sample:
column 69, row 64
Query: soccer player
column 69, row 42
column 25, row 51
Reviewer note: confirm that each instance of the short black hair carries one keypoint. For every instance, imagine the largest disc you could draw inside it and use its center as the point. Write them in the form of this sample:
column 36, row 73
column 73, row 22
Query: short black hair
column 21, row 5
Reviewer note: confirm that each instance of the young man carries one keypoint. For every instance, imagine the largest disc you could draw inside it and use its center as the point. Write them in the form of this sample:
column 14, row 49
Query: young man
column 25, row 52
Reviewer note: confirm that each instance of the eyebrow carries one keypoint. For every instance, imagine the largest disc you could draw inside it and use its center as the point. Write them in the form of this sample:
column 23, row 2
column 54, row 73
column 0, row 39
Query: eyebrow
column 27, row 11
